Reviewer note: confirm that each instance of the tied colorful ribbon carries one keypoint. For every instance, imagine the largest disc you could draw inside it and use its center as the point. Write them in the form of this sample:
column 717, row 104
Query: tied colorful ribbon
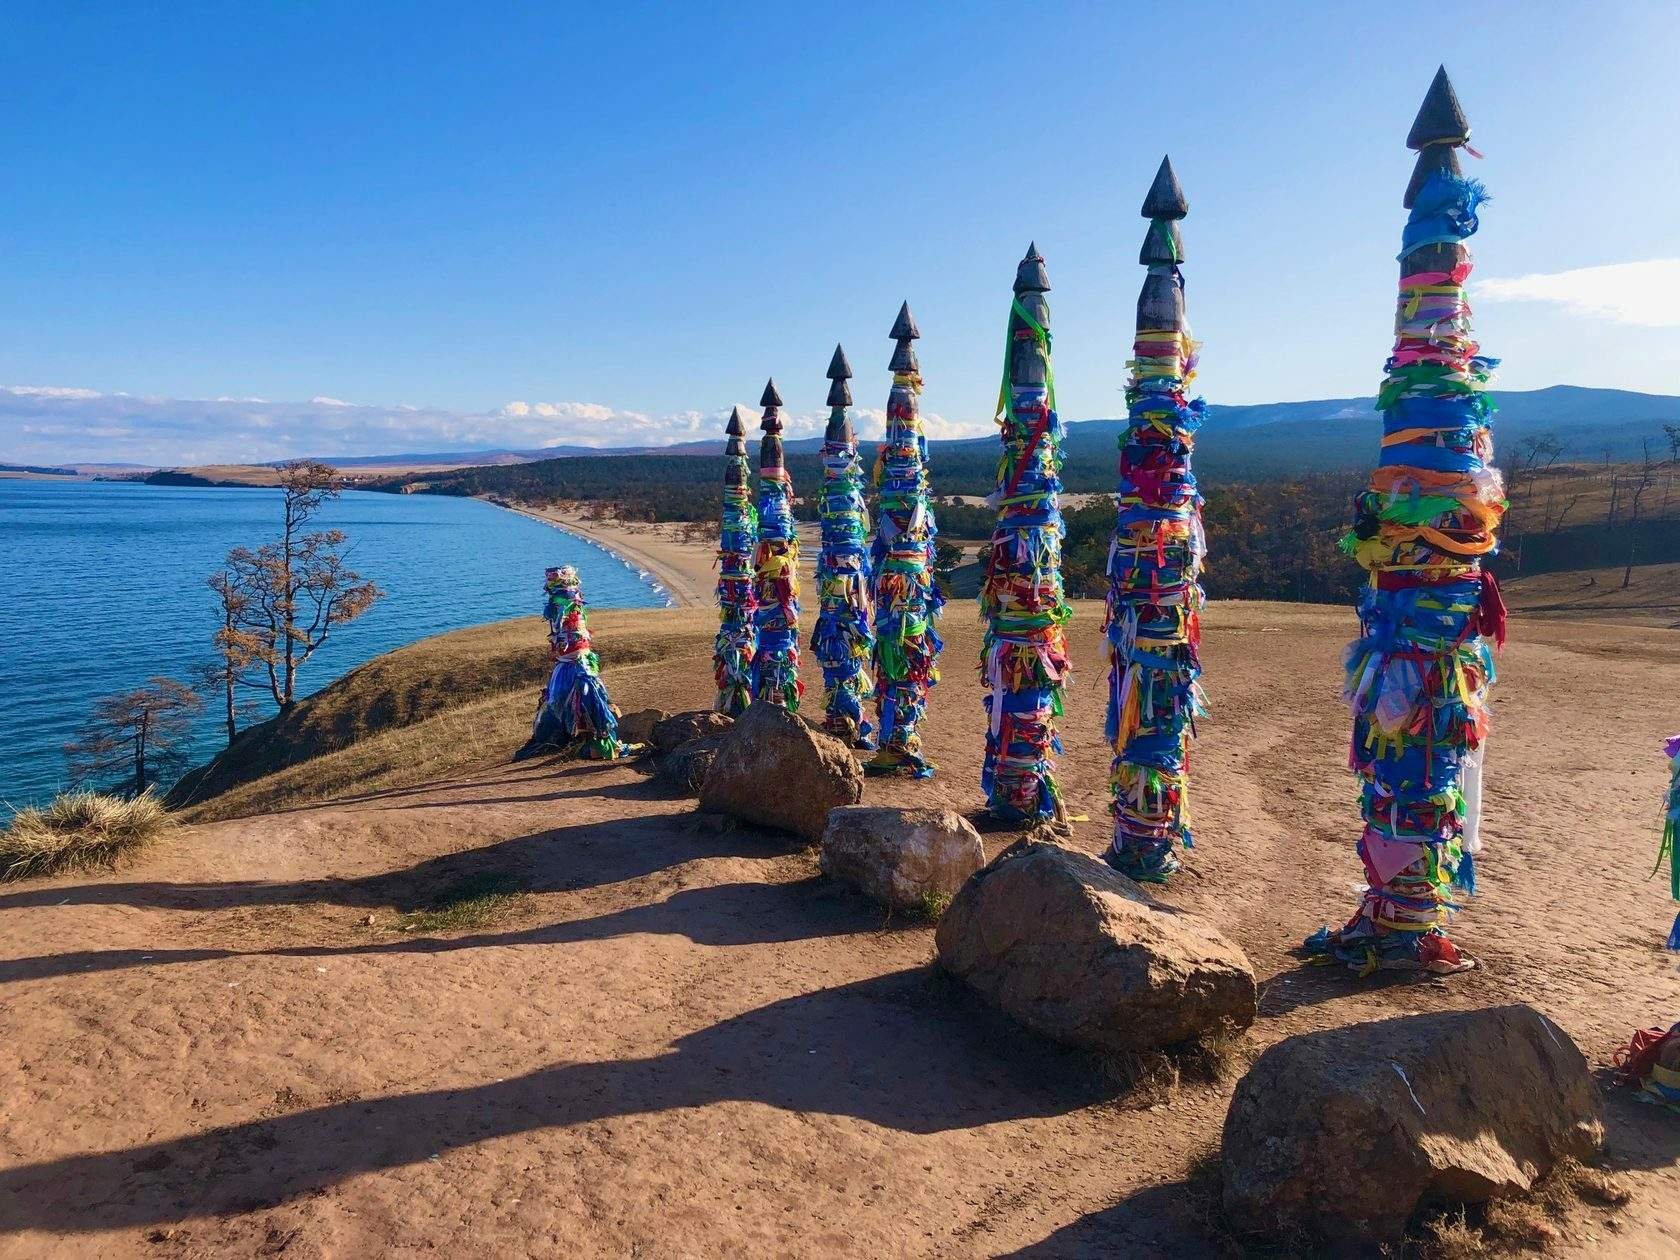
column 576, row 713
column 1153, row 617
column 1417, row 678
column 775, row 664
column 737, row 599
column 907, row 600
column 1023, row 657
column 842, row 639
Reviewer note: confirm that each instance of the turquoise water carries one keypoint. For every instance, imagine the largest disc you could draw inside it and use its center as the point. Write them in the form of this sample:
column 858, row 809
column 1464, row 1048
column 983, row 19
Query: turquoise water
column 102, row 586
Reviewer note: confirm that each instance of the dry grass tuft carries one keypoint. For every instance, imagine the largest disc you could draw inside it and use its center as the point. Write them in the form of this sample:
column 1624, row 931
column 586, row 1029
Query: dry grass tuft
column 474, row 902
column 1529, row 1222
column 79, row 831
column 1153, row 1077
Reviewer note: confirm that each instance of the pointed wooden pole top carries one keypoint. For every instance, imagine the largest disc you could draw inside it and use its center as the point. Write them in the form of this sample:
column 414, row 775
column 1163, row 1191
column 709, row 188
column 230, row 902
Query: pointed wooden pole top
column 1440, row 119
column 1165, row 199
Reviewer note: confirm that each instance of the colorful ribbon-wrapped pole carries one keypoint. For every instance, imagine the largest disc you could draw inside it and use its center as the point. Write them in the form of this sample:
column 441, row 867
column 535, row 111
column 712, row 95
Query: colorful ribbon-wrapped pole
column 775, row 666
column 1418, row 676
column 842, row 639
column 1155, row 563
column 732, row 651
column 575, row 714
column 1023, row 659
column 1671, row 832
column 907, row 599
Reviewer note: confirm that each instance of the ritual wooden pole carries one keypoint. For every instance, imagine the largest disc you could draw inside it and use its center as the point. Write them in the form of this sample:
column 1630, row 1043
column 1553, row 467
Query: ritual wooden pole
column 1418, row 676
column 576, row 714
column 732, row 651
column 775, row 667
column 906, row 597
column 1023, row 658
column 1155, row 564
column 842, row 639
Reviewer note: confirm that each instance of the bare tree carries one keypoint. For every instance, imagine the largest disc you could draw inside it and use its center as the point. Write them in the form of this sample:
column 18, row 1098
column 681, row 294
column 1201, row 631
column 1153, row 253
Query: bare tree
column 1672, row 433
column 138, row 735
column 292, row 592
column 232, row 671
column 1646, row 478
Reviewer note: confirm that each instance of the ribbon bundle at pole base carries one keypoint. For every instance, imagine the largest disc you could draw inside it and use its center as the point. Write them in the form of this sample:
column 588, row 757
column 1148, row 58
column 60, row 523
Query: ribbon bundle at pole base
column 842, row 639
column 1023, row 659
column 907, row 599
column 1418, row 676
column 1153, row 619
column 732, row 651
column 575, row 714
column 775, row 665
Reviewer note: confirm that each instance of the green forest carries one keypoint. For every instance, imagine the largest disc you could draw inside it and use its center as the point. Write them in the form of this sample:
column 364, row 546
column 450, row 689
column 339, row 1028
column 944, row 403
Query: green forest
column 1272, row 537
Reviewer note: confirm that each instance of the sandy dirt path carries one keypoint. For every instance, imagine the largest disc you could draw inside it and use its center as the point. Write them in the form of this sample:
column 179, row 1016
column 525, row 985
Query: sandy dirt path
column 681, row 1041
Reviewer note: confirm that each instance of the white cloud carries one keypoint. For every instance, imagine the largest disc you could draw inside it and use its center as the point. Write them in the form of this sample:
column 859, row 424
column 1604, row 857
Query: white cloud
column 50, row 391
column 51, row 424
column 1644, row 293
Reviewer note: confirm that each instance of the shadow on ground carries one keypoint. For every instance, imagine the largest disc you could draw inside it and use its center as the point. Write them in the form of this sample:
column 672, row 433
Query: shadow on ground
column 907, row 1051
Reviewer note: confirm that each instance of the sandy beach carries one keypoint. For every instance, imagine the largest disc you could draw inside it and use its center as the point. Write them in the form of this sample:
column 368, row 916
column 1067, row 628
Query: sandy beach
column 681, row 558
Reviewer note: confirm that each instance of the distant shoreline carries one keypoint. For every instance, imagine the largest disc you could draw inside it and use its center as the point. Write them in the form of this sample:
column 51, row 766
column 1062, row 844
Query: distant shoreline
column 679, row 570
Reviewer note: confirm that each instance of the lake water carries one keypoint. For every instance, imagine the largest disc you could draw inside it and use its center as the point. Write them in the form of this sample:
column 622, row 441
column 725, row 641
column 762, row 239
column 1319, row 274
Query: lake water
column 102, row 586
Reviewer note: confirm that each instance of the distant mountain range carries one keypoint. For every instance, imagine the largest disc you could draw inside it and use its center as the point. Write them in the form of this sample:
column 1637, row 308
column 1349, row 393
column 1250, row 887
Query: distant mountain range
column 1242, row 442
column 1318, row 435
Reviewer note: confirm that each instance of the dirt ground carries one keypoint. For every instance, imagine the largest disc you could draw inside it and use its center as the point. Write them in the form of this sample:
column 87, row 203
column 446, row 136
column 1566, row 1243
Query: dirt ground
column 681, row 1041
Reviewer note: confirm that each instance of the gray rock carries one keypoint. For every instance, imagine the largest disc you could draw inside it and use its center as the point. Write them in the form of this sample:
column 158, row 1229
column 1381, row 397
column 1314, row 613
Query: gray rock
column 685, row 768
column 1341, row 1135
column 1075, row 950
column 679, row 728
column 900, row 857
column 637, row 727
column 774, row 770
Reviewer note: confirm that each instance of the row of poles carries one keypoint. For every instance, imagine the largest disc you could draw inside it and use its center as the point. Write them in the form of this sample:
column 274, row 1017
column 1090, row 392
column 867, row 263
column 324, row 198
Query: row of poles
column 1417, row 677
column 879, row 604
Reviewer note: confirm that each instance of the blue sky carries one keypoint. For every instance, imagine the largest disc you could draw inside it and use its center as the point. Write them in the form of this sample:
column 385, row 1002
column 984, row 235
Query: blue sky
column 543, row 224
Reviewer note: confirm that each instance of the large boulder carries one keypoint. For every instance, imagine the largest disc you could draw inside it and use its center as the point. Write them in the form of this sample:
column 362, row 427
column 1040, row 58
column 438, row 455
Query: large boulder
column 773, row 769
column 1073, row 949
column 685, row 767
column 901, row 857
column 679, row 728
column 637, row 727
column 1341, row 1135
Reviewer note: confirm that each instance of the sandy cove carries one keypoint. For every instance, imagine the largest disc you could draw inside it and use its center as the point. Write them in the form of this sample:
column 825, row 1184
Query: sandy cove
column 684, row 565
column 682, row 1041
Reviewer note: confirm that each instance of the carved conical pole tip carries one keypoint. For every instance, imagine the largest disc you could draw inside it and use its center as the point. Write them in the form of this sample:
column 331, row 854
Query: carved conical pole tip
column 904, row 327
column 1030, row 276
column 839, row 367
column 771, row 398
column 736, row 426
column 1166, row 198
column 1440, row 119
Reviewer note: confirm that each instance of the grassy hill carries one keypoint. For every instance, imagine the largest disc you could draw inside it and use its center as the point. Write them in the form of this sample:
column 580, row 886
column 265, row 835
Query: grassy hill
column 433, row 708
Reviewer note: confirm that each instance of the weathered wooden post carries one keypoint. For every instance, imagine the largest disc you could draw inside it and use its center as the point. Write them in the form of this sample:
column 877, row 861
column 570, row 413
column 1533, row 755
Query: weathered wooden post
column 1023, row 659
column 907, row 599
column 1155, row 563
column 842, row 638
column 732, row 651
column 1418, row 676
column 775, row 668
column 575, row 715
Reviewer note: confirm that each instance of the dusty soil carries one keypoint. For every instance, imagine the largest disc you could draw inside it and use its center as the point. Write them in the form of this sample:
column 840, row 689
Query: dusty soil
column 681, row 1041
